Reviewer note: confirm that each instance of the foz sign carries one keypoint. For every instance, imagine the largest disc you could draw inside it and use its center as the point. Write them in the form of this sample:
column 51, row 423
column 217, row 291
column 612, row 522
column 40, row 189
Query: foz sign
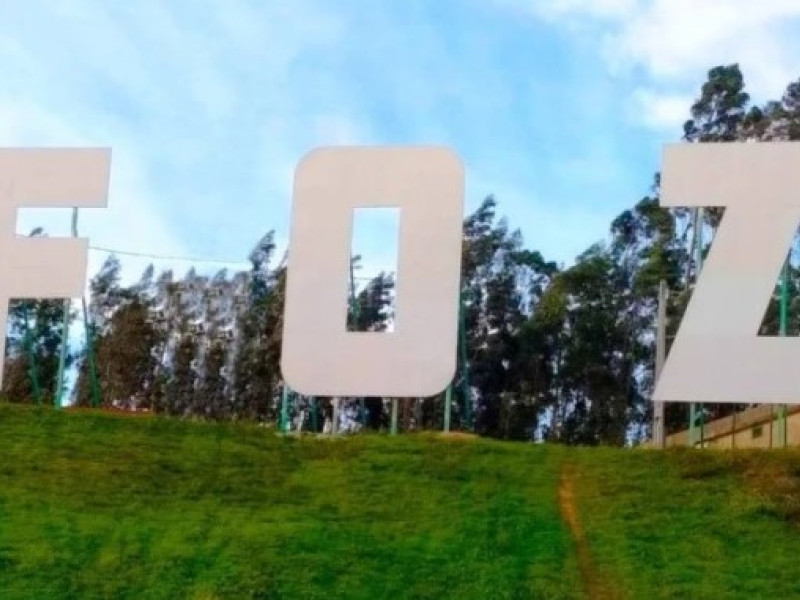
column 717, row 355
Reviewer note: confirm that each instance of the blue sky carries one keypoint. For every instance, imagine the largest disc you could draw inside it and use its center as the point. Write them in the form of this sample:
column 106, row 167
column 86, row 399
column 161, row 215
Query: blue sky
column 558, row 107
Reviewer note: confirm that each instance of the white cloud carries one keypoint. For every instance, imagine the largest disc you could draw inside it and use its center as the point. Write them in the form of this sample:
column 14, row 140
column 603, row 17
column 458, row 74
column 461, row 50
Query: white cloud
column 604, row 9
column 554, row 10
column 131, row 219
column 660, row 111
column 180, row 95
column 675, row 41
column 669, row 45
column 208, row 106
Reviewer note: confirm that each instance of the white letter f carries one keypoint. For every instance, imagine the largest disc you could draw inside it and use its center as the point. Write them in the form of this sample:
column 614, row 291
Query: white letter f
column 44, row 178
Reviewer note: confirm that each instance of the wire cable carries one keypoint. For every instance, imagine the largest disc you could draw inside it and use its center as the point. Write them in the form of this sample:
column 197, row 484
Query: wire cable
column 193, row 259
column 168, row 257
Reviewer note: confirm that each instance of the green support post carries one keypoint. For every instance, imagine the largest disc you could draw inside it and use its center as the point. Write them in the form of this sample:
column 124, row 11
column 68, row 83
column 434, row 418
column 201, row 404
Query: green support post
column 464, row 379
column 284, row 424
column 783, row 330
column 702, row 428
column 62, row 357
column 354, row 313
column 394, row 416
column 58, row 397
column 784, row 300
column 313, row 404
column 465, row 391
column 697, row 239
column 448, row 406
column 94, row 383
column 782, row 429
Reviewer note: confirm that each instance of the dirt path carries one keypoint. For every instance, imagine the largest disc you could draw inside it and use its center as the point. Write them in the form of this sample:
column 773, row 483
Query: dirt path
column 595, row 585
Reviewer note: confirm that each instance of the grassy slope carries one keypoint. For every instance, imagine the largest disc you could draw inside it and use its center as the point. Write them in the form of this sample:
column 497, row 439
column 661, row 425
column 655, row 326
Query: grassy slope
column 694, row 524
column 97, row 506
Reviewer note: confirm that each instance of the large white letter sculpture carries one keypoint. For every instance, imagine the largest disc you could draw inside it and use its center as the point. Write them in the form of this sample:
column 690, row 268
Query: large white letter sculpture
column 717, row 355
column 321, row 358
column 46, row 267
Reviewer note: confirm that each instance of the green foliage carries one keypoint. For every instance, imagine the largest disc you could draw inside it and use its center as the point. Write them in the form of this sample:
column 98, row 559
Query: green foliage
column 257, row 373
column 501, row 284
column 34, row 340
column 372, row 309
column 210, row 397
column 718, row 113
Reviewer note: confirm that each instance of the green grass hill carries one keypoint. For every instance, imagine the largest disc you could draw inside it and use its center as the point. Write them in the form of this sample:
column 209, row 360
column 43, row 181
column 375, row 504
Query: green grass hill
column 103, row 506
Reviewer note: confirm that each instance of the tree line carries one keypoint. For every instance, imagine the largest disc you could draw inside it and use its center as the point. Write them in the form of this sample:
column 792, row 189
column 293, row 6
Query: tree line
column 562, row 354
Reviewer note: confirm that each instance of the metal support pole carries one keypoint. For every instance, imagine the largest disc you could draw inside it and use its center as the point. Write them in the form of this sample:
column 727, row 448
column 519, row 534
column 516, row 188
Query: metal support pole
column 313, row 404
column 394, row 416
column 700, row 213
column 448, row 406
column 58, row 397
column 465, row 389
column 702, row 426
column 783, row 328
column 284, row 422
column 94, row 383
column 697, row 238
column 771, row 425
column 354, row 315
column 784, row 301
column 659, row 436
column 690, row 437
column 692, row 424
column 782, row 428
column 335, row 417
column 62, row 356
column 301, row 415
